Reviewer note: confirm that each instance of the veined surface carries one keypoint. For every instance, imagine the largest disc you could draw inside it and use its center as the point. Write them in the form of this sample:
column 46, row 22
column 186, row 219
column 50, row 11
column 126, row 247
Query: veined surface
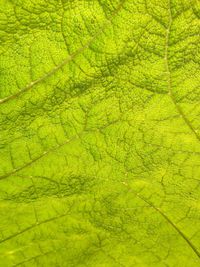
column 99, row 136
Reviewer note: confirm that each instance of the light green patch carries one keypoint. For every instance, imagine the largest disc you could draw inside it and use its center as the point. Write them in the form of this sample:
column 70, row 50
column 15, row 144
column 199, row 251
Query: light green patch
column 100, row 133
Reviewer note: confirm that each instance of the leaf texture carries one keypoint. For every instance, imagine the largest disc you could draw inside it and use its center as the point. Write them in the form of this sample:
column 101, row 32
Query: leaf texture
column 100, row 133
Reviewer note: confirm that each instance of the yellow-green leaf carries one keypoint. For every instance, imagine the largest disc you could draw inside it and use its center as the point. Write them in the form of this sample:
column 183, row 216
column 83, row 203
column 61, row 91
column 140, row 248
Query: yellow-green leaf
column 99, row 133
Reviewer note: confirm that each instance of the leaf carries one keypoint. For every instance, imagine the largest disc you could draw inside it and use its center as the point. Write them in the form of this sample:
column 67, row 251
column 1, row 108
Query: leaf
column 99, row 139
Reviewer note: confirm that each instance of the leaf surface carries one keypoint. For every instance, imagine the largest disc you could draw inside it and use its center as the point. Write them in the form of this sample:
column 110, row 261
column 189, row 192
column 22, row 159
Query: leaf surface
column 99, row 136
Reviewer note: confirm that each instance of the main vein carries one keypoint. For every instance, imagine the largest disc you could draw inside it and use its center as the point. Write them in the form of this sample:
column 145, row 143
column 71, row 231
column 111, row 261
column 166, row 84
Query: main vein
column 170, row 91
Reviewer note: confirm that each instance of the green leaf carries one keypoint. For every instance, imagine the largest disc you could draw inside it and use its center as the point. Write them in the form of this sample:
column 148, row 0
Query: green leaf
column 99, row 136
